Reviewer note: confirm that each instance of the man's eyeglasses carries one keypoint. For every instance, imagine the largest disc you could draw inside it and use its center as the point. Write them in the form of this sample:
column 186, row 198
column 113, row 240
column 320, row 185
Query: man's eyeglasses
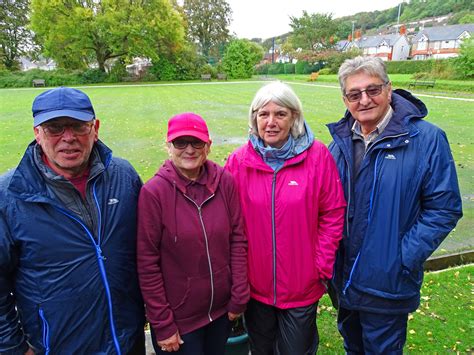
column 371, row 91
column 58, row 129
column 183, row 143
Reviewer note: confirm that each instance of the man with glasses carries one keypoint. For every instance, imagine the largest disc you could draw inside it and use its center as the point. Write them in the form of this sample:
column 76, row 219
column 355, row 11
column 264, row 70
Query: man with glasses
column 68, row 281
column 403, row 199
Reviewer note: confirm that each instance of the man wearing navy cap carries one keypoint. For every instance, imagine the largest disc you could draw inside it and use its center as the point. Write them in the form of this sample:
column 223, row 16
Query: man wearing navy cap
column 68, row 282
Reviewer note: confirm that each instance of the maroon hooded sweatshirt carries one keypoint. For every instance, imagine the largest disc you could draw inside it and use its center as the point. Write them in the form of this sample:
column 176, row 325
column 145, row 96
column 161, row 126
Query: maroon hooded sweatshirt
column 191, row 249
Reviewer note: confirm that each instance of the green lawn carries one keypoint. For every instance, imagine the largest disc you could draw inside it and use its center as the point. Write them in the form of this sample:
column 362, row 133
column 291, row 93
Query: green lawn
column 133, row 124
column 444, row 322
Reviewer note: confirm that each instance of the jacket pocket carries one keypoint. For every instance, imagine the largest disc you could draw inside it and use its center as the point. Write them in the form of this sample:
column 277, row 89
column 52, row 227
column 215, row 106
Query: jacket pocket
column 201, row 291
column 379, row 272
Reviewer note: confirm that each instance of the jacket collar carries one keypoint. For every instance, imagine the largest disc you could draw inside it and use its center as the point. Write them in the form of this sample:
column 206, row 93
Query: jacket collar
column 28, row 182
column 406, row 109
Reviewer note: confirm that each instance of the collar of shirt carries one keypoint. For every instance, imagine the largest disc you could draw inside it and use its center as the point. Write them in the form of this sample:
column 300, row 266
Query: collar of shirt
column 357, row 132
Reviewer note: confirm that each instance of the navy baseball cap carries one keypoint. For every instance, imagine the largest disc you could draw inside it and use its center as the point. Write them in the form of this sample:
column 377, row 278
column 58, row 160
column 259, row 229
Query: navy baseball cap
column 62, row 102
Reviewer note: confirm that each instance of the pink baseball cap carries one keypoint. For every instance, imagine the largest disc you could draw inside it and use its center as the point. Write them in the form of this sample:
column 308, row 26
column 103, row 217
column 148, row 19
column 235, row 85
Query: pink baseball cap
column 187, row 124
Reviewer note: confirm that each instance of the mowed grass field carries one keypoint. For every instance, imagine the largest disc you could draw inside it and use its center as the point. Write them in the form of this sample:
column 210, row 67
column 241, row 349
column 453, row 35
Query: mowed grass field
column 133, row 123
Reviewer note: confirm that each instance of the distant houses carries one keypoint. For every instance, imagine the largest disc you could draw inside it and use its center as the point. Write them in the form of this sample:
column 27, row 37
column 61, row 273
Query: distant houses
column 440, row 42
column 386, row 47
column 429, row 43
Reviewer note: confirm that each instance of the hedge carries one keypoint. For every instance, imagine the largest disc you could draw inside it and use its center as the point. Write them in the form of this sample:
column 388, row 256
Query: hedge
column 417, row 66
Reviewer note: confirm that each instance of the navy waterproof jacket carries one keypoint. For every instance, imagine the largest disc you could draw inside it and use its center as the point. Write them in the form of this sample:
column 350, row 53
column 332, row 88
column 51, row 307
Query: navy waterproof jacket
column 65, row 289
column 402, row 203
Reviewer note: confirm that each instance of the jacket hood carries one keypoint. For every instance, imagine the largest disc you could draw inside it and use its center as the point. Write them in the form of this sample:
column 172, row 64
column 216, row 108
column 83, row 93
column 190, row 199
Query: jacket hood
column 406, row 108
column 170, row 173
column 26, row 180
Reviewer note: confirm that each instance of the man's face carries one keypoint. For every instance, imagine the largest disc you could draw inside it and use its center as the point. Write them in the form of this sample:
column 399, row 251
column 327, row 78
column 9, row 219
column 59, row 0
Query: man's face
column 368, row 110
column 67, row 152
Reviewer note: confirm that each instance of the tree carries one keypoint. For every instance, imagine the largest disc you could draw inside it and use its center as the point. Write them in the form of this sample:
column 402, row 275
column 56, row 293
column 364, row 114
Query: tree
column 208, row 22
column 464, row 64
column 240, row 58
column 76, row 33
column 14, row 35
column 313, row 31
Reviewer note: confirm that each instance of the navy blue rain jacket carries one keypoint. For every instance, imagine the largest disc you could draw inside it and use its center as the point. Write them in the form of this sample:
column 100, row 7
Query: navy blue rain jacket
column 402, row 203
column 63, row 288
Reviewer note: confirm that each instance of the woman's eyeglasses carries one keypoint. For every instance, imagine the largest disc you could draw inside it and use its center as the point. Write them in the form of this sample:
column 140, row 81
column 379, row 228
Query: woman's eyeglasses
column 58, row 129
column 183, row 143
column 371, row 91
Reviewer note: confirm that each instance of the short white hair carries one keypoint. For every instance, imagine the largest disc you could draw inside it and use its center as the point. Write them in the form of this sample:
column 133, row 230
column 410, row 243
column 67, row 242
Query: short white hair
column 282, row 95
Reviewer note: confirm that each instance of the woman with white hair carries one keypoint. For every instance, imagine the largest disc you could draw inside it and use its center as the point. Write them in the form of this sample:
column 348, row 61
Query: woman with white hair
column 293, row 207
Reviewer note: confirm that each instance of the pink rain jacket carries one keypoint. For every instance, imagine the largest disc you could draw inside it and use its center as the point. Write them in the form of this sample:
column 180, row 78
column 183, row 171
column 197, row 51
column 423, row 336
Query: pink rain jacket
column 293, row 219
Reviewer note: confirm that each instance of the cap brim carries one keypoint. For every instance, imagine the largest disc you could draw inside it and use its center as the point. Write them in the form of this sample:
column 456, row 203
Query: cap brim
column 78, row 115
column 201, row 136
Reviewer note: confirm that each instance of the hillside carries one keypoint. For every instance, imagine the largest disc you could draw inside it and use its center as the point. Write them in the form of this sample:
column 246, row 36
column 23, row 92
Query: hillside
column 428, row 12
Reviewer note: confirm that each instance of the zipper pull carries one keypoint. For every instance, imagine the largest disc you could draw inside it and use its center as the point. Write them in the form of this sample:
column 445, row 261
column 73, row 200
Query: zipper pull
column 99, row 253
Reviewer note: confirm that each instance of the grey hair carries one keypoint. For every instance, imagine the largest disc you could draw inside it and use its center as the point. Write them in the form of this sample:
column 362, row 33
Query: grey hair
column 372, row 66
column 282, row 95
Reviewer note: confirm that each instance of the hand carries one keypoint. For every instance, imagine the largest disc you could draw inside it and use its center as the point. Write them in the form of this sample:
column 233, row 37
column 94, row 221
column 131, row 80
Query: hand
column 30, row 352
column 172, row 343
column 233, row 316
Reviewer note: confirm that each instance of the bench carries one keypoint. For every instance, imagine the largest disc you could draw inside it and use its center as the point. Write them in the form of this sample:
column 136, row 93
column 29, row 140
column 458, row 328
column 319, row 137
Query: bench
column 221, row 76
column 313, row 76
column 206, row 77
column 39, row 82
column 422, row 82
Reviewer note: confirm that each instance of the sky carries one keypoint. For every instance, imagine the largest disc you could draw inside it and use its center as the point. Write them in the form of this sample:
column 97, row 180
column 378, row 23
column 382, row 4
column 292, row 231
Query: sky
column 269, row 18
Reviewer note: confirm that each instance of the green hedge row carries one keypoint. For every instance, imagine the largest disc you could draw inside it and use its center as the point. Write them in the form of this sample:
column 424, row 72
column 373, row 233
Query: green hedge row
column 417, row 66
column 59, row 77
column 300, row 67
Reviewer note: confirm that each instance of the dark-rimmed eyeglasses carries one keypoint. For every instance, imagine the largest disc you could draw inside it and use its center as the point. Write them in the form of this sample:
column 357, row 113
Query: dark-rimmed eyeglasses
column 183, row 143
column 371, row 91
column 58, row 129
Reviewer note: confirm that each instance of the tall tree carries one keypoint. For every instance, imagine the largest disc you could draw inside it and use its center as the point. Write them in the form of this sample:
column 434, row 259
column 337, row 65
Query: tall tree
column 208, row 22
column 240, row 58
column 78, row 32
column 14, row 35
column 313, row 31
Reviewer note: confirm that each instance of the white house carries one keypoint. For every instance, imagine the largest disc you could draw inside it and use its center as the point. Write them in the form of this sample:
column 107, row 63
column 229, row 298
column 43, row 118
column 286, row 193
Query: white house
column 440, row 42
column 41, row 63
column 386, row 47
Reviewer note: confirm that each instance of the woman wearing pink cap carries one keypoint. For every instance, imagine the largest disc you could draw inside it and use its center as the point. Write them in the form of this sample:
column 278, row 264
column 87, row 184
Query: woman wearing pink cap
column 192, row 251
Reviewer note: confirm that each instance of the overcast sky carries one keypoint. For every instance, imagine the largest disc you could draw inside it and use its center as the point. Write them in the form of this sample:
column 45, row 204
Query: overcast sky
column 269, row 18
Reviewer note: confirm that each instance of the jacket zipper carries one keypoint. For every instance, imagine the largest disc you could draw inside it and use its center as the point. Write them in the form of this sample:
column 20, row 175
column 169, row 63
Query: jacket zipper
column 274, row 239
column 349, row 281
column 207, row 250
column 100, row 260
column 45, row 331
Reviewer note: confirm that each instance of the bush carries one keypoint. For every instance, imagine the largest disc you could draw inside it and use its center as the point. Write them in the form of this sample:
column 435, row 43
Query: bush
column 276, row 68
column 464, row 64
column 289, row 68
column 208, row 69
column 163, row 70
column 303, row 67
column 325, row 71
column 56, row 77
column 118, row 72
column 262, row 69
column 93, row 76
column 240, row 58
